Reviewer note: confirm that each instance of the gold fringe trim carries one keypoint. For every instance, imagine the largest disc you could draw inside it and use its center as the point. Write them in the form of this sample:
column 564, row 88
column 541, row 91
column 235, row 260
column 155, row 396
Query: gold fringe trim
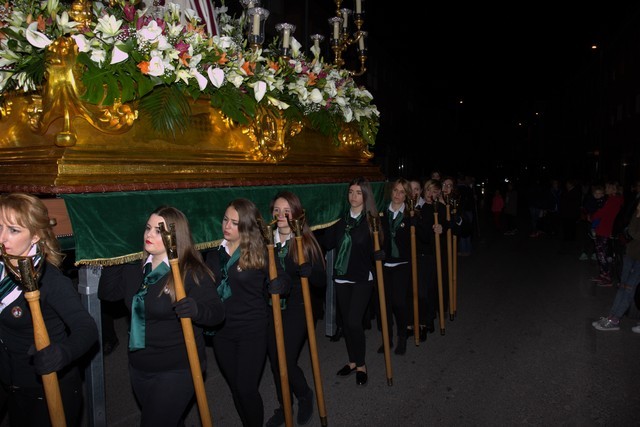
column 106, row 262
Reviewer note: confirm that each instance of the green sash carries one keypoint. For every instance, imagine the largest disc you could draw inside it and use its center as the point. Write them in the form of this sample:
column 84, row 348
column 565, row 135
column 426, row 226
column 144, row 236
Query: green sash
column 138, row 327
column 342, row 260
column 224, row 290
column 393, row 226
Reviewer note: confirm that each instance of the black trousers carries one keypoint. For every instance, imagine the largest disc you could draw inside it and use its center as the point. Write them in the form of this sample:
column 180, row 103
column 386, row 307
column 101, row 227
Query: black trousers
column 294, row 328
column 353, row 301
column 241, row 356
column 397, row 284
column 28, row 407
column 164, row 396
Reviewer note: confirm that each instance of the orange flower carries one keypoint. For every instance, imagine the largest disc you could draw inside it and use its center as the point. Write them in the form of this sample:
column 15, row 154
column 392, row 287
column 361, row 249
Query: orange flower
column 41, row 23
column 313, row 78
column 223, row 59
column 273, row 65
column 248, row 67
column 144, row 67
column 184, row 56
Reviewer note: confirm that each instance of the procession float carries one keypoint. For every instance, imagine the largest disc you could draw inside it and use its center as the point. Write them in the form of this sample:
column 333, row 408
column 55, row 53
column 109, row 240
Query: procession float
column 108, row 110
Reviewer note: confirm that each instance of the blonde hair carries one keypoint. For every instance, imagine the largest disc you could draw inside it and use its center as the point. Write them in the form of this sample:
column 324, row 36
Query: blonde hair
column 30, row 212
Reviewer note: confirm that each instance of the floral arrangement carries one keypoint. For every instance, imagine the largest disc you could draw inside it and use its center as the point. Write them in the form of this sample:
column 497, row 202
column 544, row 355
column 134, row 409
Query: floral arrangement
column 160, row 56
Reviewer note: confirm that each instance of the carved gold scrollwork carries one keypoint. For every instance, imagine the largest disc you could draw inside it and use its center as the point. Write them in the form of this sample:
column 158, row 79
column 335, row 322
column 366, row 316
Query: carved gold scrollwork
column 350, row 138
column 270, row 131
column 60, row 99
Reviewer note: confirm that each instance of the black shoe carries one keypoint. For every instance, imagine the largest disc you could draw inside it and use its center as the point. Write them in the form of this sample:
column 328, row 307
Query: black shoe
column 305, row 408
column 336, row 337
column 277, row 419
column 361, row 378
column 423, row 333
column 346, row 370
column 381, row 348
column 401, row 348
column 430, row 328
column 109, row 346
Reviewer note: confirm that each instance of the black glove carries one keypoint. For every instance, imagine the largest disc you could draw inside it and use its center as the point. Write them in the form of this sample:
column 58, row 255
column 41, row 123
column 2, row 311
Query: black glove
column 379, row 255
column 304, row 270
column 50, row 359
column 186, row 307
column 277, row 286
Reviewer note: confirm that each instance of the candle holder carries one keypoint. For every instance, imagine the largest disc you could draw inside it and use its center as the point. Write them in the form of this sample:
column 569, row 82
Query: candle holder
column 315, row 49
column 285, row 30
column 341, row 39
column 255, row 26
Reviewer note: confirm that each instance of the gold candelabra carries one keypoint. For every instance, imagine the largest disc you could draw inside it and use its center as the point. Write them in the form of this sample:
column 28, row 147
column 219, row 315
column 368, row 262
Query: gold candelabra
column 341, row 38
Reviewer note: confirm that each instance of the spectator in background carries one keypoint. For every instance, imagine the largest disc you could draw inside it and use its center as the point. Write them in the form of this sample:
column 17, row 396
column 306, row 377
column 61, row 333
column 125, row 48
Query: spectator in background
column 603, row 219
column 511, row 209
column 628, row 281
column 497, row 206
column 592, row 201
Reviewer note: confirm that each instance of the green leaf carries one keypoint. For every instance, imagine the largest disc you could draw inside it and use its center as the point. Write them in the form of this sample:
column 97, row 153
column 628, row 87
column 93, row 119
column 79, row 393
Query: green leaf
column 168, row 110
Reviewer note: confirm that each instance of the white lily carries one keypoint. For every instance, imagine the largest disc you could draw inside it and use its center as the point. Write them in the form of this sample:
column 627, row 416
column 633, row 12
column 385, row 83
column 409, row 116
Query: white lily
column 259, row 89
column 109, row 26
column 276, row 102
column 52, row 7
column 35, row 37
column 156, row 66
column 216, row 76
column 183, row 75
column 65, row 25
column 202, row 80
column 316, row 96
column 118, row 55
column 81, row 42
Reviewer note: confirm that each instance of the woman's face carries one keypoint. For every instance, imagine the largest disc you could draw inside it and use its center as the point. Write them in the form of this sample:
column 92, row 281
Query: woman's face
column 447, row 187
column 281, row 210
column 398, row 195
column 356, row 199
column 17, row 240
column 230, row 225
column 153, row 238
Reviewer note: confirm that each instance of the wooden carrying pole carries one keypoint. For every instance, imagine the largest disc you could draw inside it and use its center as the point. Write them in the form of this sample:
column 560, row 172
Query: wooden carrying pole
column 439, row 269
column 414, row 275
column 277, row 324
column 41, row 338
column 383, row 305
column 169, row 240
column 311, row 330
column 454, row 296
column 450, row 259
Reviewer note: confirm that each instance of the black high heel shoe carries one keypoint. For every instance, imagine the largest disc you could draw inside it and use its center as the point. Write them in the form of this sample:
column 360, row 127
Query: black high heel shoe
column 336, row 337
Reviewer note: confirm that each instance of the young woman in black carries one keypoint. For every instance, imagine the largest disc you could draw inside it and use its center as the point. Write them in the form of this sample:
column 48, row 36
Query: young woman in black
column 287, row 205
column 25, row 230
column 158, row 361
column 354, row 272
column 240, row 344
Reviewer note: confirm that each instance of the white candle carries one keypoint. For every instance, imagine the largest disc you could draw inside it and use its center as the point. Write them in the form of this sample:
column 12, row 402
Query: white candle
column 336, row 29
column 345, row 19
column 285, row 37
column 255, row 29
column 361, row 43
column 358, row 6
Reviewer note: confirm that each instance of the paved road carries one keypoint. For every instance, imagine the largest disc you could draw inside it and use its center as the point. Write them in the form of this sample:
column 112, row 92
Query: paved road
column 521, row 351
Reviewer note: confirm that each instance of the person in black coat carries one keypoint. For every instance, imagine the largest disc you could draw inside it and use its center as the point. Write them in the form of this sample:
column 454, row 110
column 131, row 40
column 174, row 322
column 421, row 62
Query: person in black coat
column 159, row 365
column 354, row 272
column 286, row 206
column 26, row 231
column 396, row 226
column 240, row 344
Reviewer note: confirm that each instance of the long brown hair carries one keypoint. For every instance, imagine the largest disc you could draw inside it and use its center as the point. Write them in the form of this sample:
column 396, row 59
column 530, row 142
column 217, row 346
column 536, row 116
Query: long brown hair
column 312, row 249
column 252, row 244
column 190, row 259
column 369, row 201
column 31, row 213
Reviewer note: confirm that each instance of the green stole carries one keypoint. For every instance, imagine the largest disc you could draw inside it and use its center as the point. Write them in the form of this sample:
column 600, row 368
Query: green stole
column 226, row 261
column 138, row 327
column 342, row 259
column 7, row 285
column 393, row 227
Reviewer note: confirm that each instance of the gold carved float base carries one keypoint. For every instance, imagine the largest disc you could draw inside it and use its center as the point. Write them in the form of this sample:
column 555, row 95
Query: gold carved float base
column 213, row 152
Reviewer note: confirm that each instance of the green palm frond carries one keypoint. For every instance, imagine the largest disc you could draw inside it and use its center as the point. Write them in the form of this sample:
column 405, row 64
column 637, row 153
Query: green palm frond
column 168, row 110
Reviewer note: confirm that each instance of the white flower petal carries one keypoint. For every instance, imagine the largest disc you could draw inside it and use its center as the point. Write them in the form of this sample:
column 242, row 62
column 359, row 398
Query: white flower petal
column 259, row 89
column 118, row 56
column 216, row 76
column 35, row 37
